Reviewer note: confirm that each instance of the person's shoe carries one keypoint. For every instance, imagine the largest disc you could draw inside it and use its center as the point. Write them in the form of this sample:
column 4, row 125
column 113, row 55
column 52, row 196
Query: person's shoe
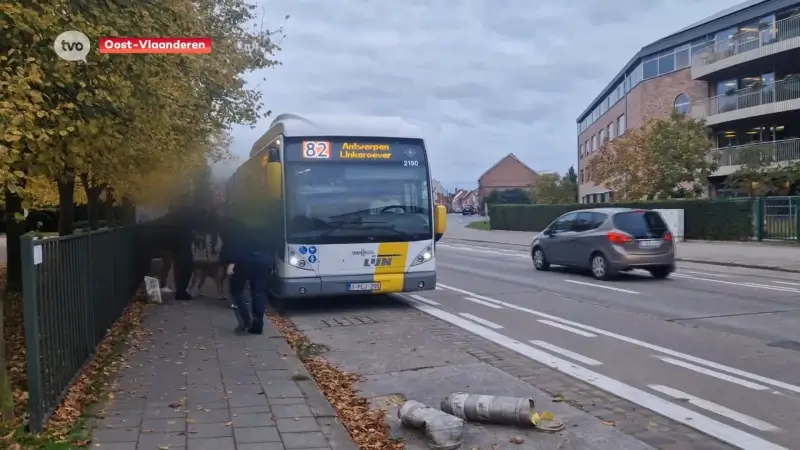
column 239, row 331
column 256, row 328
column 185, row 296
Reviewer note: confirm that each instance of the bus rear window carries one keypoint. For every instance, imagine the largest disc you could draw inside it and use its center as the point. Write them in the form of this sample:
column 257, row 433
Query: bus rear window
column 641, row 224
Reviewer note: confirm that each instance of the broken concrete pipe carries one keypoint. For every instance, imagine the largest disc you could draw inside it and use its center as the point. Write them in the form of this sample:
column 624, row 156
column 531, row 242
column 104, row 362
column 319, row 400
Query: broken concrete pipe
column 490, row 408
column 443, row 430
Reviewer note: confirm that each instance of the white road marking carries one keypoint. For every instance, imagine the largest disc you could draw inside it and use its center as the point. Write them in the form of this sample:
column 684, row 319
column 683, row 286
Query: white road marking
column 637, row 342
column 424, row 300
column 700, row 422
column 786, row 282
column 568, row 353
column 627, row 291
column 481, row 321
column 712, row 373
column 752, row 285
column 483, row 302
column 744, row 419
column 566, row 328
column 439, row 289
column 710, row 274
column 495, row 252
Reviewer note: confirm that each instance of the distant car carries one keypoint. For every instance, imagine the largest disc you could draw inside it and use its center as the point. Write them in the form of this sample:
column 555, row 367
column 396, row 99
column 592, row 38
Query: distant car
column 607, row 241
column 468, row 210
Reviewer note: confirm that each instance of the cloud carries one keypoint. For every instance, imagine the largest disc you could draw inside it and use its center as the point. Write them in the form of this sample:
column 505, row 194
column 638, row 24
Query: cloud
column 482, row 78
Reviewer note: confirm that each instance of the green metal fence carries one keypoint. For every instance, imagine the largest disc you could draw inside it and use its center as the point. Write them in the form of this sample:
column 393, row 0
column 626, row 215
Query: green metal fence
column 778, row 219
column 74, row 289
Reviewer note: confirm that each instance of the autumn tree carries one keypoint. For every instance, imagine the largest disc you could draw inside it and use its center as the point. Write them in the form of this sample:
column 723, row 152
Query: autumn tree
column 666, row 158
column 113, row 123
column 554, row 189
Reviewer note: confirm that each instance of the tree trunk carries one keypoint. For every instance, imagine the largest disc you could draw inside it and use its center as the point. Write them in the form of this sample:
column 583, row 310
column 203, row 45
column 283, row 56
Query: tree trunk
column 66, row 203
column 108, row 207
column 6, row 393
column 93, row 192
column 128, row 211
column 14, row 229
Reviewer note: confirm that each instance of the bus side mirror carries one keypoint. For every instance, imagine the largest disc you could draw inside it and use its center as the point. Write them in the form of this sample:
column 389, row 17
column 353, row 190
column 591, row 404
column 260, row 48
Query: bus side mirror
column 439, row 220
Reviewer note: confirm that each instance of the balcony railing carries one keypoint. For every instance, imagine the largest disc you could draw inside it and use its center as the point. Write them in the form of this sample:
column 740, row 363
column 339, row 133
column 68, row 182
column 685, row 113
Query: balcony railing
column 767, row 34
column 757, row 95
column 760, row 154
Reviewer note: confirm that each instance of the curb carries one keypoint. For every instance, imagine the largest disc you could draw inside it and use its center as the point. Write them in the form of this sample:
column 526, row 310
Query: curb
column 325, row 415
column 695, row 261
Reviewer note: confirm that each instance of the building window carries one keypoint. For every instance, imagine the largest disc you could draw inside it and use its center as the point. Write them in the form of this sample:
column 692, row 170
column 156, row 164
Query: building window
column 682, row 57
column 621, row 125
column 610, row 131
column 666, row 62
column 650, row 68
column 594, row 143
column 583, row 150
column 682, row 103
column 602, row 136
column 581, row 175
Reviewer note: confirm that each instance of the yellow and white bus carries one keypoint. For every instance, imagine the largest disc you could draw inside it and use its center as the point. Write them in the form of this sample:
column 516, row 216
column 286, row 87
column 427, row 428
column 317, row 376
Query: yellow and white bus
column 348, row 199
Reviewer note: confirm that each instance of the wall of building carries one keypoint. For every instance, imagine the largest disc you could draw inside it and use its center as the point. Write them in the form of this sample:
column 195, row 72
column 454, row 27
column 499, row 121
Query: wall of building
column 508, row 174
column 653, row 98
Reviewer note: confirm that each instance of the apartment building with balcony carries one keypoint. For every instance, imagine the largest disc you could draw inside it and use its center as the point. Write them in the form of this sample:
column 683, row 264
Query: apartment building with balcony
column 738, row 69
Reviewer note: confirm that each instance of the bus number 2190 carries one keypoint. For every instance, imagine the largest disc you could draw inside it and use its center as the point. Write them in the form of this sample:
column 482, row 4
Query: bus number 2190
column 410, row 163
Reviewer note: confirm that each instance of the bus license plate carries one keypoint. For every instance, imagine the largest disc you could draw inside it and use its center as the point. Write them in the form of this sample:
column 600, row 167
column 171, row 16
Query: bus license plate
column 363, row 286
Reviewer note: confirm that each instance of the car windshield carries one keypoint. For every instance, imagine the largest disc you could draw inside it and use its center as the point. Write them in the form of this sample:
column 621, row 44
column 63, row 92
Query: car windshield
column 641, row 224
column 348, row 202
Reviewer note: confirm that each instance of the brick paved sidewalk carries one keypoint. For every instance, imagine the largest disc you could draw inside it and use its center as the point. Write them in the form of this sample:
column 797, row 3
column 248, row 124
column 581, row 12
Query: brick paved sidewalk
column 197, row 386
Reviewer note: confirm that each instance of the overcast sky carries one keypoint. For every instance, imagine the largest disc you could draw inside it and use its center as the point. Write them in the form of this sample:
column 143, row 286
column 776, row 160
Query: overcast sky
column 481, row 77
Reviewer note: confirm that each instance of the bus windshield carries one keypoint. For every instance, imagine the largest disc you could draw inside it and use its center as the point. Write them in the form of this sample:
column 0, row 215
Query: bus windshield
column 357, row 201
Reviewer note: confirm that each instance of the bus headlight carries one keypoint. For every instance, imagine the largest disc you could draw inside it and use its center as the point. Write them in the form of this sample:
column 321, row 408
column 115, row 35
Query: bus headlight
column 423, row 256
column 297, row 261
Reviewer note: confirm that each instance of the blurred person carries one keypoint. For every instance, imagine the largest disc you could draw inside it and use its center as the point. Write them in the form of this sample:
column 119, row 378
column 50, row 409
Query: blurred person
column 250, row 264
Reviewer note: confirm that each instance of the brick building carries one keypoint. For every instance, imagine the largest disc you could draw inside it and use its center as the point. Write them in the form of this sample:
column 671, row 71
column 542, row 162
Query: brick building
column 738, row 69
column 507, row 173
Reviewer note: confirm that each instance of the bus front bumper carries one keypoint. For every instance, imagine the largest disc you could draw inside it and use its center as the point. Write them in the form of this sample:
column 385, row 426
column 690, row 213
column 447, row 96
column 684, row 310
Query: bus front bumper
column 340, row 285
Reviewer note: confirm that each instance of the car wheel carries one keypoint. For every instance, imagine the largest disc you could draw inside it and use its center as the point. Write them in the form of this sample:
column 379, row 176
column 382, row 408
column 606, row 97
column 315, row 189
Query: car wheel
column 601, row 270
column 539, row 260
column 660, row 272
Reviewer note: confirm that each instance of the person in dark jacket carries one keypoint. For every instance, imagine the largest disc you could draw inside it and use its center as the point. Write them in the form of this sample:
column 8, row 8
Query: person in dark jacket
column 251, row 261
column 173, row 234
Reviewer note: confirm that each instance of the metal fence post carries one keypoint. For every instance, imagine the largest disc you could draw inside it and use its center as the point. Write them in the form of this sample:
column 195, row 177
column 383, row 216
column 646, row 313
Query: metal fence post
column 30, row 298
column 796, row 203
column 760, row 206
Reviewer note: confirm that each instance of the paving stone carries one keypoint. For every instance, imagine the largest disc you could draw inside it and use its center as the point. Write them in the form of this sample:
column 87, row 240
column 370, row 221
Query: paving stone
column 196, row 386
column 210, row 416
column 164, row 425
column 150, row 441
column 115, row 445
column 116, row 435
column 261, row 446
column 220, row 443
column 297, row 410
column 250, row 410
column 253, row 420
column 297, row 425
column 209, row 430
column 304, row 440
column 256, row 434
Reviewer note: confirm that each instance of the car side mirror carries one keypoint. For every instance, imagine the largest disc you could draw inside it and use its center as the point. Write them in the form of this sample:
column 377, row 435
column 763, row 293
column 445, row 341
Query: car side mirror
column 547, row 232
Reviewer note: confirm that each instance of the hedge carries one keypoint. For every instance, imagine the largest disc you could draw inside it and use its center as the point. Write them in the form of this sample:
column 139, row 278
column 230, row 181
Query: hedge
column 724, row 220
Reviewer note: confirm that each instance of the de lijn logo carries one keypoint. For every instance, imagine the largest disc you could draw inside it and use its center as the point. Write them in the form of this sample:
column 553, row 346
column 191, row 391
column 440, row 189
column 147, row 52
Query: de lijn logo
column 72, row 46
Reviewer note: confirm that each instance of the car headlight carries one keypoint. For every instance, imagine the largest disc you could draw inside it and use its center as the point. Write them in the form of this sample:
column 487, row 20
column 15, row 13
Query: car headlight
column 423, row 256
column 296, row 260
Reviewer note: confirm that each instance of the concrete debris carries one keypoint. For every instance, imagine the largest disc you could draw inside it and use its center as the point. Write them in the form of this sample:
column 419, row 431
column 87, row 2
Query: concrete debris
column 444, row 430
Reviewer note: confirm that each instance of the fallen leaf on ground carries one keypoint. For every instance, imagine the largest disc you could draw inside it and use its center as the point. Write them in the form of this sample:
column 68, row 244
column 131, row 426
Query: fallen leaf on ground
column 366, row 426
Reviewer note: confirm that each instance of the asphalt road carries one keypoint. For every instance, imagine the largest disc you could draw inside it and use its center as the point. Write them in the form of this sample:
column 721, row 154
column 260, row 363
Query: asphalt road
column 713, row 347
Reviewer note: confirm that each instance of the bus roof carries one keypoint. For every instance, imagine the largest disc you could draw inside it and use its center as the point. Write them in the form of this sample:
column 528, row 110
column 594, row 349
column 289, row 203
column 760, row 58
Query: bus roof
column 295, row 125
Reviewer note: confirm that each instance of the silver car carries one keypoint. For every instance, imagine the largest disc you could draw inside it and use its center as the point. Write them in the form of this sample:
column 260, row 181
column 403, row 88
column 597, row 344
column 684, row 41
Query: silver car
column 607, row 241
